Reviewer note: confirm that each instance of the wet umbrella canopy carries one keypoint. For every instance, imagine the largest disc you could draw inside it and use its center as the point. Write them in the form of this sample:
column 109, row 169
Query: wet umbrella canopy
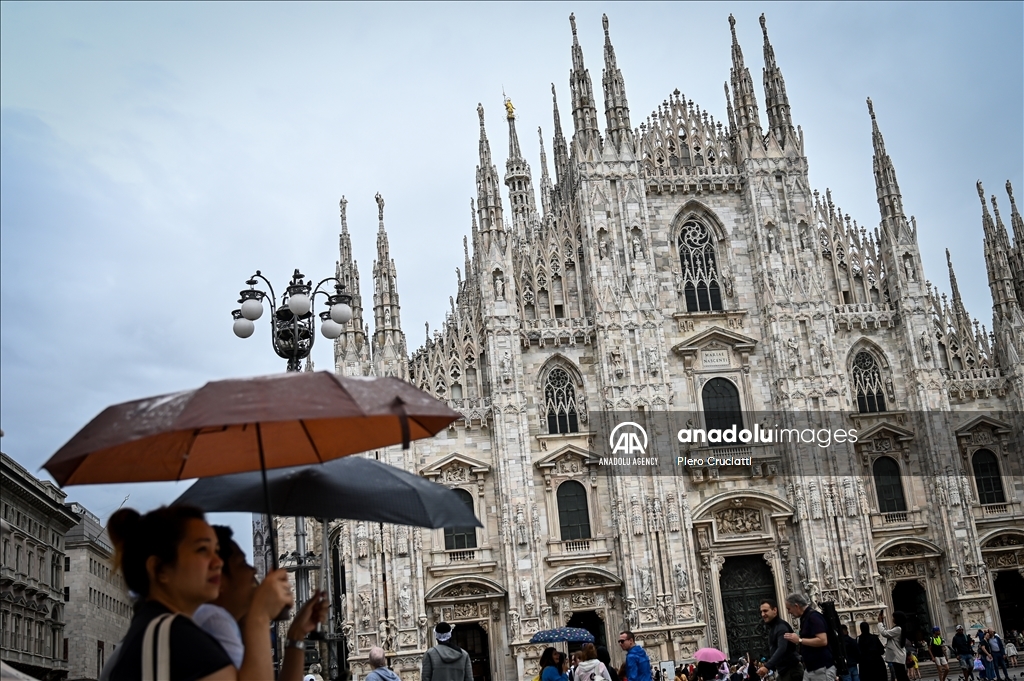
column 355, row 488
column 567, row 634
column 240, row 425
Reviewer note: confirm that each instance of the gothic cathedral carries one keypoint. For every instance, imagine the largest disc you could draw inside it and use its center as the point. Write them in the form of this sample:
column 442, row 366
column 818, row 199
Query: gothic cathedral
column 687, row 265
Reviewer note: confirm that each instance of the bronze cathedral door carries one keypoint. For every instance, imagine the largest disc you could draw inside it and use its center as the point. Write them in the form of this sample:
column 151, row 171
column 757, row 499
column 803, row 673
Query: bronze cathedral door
column 744, row 581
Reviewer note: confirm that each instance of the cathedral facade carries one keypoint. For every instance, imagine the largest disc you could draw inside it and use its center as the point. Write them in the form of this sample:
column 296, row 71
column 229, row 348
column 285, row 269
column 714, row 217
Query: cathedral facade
column 687, row 265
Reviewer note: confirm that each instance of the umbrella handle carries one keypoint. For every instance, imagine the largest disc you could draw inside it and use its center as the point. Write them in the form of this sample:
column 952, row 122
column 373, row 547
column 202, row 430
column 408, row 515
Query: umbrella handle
column 398, row 406
column 286, row 613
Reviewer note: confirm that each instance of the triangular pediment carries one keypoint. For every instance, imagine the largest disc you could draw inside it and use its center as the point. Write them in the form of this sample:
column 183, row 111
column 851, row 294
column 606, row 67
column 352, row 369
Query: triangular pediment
column 716, row 334
column 885, row 429
column 443, row 467
column 566, row 454
column 998, row 427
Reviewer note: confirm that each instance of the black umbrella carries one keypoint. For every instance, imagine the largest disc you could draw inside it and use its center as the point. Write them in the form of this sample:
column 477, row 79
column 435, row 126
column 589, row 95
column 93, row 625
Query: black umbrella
column 352, row 487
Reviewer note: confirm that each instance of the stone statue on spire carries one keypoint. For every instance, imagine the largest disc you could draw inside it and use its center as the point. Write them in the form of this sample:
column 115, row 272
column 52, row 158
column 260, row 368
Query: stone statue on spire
column 380, row 207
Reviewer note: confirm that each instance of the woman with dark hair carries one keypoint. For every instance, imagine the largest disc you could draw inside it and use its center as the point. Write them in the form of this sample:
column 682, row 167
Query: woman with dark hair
column 552, row 666
column 606, row 658
column 872, row 664
column 169, row 557
column 895, row 643
column 707, row 671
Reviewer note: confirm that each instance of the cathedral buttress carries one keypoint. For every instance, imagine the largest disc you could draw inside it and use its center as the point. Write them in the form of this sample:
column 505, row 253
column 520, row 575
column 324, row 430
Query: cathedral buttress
column 776, row 101
column 351, row 351
column 389, row 348
column 616, row 108
column 587, row 137
column 748, row 121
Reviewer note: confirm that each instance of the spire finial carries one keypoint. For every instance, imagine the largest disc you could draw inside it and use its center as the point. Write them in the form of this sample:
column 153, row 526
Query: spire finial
column 604, row 22
column 380, row 207
column 1009, row 191
column 764, row 27
column 343, row 204
column 572, row 22
column 510, row 111
column 732, row 27
column 981, row 194
column 871, row 109
column 480, row 113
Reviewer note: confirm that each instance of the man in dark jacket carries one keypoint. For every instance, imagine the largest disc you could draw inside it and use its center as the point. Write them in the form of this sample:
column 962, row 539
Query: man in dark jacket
column 783, row 658
column 812, row 639
column 964, row 652
column 852, row 654
column 446, row 661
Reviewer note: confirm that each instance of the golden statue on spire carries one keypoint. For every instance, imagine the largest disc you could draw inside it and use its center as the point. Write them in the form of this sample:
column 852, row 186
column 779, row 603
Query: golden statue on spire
column 509, row 109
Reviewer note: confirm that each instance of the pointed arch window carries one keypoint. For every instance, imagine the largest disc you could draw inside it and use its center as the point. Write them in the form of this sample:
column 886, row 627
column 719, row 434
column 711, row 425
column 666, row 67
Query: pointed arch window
column 986, row 476
column 459, row 538
column 721, row 402
column 700, row 268
column 888, row 485
column 867, row 384
column 560, row 401
column 573, row 512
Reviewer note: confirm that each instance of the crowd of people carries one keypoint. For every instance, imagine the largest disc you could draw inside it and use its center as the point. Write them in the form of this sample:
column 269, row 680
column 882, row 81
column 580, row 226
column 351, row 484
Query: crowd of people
column 885, row 652
column 201, row 615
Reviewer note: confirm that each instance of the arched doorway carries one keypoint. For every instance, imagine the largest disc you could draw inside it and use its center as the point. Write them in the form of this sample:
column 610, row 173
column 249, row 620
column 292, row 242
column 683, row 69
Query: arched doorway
column 744, row 581
column 1009, row 588
column 588, row 619
column 472, row 638
column 911, row 598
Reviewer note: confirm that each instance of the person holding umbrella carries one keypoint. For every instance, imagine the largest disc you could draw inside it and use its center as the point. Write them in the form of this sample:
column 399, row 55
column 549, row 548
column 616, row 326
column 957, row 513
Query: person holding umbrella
column 169, row 557
column 221, row 618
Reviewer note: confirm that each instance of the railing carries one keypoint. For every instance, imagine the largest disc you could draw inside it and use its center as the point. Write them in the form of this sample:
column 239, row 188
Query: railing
column 576, row 546
column 894, row 518
column 994, row 509
column 855, row 308
column 466, row 556
column 865, row 315
column 971, row 374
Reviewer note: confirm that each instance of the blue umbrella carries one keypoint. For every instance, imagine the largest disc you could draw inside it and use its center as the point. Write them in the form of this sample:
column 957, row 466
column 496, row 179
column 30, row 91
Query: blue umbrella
column 567, row 634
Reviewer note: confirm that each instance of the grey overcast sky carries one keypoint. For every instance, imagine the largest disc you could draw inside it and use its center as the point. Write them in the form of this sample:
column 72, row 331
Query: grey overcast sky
column 155, row 154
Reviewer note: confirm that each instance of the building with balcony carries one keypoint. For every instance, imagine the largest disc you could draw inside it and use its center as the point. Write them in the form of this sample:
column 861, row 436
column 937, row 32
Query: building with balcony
column 687, row 267
column 33, row 527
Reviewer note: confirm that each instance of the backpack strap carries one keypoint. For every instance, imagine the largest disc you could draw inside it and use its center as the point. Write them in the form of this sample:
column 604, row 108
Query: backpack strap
column 158, row 667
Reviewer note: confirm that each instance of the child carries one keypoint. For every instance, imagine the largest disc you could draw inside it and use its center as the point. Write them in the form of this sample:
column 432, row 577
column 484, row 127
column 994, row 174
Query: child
column 913, row 672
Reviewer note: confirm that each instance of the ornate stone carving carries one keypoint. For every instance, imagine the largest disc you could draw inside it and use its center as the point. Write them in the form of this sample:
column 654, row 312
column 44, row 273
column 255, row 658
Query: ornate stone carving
column 739, row 521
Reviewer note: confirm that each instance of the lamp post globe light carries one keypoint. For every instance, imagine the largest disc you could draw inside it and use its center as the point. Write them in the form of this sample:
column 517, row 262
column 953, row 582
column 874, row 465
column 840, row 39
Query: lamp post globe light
column 292, row 322
column 292, row 334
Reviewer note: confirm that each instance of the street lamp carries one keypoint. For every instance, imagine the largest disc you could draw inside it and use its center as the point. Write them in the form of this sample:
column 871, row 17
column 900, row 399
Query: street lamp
column 292, row 334
column 291, row 329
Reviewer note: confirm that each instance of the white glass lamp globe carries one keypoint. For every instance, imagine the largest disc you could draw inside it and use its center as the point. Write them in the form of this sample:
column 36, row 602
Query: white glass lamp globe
column 252, row 309
column 330, row 329
column 299, row 304
column 341, row 313
column 243, row 328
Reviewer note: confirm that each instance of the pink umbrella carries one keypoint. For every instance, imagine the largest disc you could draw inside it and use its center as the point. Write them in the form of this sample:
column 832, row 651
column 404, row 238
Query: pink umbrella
column 712, row 655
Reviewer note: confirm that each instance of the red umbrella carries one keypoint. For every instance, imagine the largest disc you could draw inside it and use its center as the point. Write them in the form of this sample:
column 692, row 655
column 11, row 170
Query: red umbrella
column 249, row 424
